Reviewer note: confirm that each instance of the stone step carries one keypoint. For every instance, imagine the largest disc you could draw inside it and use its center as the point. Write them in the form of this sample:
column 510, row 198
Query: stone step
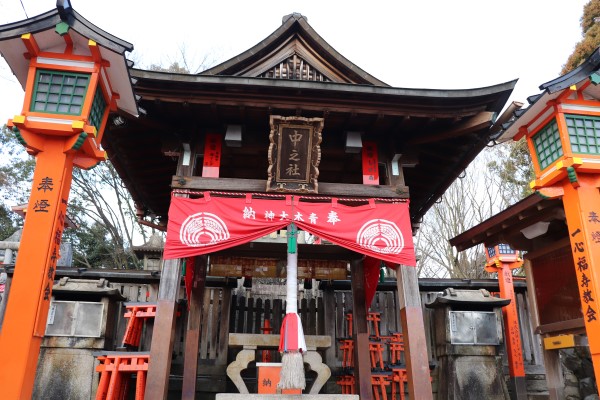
column 240, row 396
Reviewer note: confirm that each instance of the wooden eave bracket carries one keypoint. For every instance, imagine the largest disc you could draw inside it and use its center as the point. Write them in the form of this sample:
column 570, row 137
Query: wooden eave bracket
column 33, row 50
column 113, row 103
column 95, row 50
column 483, row 120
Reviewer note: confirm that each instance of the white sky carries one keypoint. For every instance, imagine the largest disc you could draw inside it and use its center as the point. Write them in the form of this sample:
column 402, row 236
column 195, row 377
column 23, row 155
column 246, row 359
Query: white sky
column 438, row 44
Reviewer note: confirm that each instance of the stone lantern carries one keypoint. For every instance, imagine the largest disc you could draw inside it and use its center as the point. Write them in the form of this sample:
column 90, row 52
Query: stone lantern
column 468, row 334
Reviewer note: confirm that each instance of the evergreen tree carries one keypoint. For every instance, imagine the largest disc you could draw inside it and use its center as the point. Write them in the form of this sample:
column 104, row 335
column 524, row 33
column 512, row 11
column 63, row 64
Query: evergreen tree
column 98, row 203
column 591, row 36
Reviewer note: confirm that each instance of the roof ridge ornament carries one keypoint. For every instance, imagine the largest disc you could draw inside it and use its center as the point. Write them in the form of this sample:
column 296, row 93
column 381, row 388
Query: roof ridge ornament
column 64, row 8
column 294, row 15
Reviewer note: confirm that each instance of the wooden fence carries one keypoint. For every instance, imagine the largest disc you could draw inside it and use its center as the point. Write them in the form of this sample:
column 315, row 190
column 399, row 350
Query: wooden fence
column 226, row 310
column 248, row 314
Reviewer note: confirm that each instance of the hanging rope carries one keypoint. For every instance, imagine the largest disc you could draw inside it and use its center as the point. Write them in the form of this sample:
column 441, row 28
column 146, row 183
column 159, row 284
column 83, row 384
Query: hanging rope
column 292, row 343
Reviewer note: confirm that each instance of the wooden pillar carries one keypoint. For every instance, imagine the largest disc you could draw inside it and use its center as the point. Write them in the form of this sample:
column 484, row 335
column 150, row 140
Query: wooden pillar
column 161, row 347
column 554, row 375
column 192, row 337
column 163, row 334
column 362, row 361
column 413, row 329
column 329, row 310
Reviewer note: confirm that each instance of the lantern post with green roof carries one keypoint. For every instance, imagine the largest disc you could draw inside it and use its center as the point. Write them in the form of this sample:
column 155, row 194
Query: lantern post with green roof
column 74, row 74
column 562, row 129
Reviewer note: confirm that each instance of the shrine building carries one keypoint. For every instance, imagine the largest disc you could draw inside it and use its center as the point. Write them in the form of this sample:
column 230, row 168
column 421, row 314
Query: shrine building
column 285, row 149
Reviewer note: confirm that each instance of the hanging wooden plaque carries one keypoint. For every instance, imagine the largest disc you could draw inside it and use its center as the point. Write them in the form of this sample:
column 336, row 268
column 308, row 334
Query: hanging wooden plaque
column 294, row 154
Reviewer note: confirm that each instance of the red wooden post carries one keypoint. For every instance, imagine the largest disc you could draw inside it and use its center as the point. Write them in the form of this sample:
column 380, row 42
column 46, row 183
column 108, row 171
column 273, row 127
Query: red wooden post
column 29, row 301
column 503, row 259
column 582, row 208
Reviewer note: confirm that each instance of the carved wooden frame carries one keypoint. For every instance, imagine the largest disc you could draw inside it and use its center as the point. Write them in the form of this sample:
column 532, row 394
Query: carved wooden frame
column 308, row 184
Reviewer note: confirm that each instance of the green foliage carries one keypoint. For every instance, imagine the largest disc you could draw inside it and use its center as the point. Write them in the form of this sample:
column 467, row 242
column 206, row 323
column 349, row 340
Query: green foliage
column 591, row 37
column 98, row 203
column 16, row 172
column 93, row 247
column 16, row 168
column 590, row 11
column 8, row 223
column 512, row 170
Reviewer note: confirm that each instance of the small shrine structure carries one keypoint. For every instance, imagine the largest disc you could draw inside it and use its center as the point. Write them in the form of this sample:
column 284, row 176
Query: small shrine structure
column 287, row 131
column 217, row 132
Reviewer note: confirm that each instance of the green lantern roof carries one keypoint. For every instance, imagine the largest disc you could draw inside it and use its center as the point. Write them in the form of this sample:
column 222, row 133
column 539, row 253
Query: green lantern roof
column 48, row 29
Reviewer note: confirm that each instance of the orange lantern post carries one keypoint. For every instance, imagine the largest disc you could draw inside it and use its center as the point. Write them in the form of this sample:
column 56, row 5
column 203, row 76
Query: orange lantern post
column 562, row 129
column 503, row 259
column 68, row 96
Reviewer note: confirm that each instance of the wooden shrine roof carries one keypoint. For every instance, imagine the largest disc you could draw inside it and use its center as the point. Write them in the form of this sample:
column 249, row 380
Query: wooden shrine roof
column 438, row 132
column 507, row 225
column 589, row 70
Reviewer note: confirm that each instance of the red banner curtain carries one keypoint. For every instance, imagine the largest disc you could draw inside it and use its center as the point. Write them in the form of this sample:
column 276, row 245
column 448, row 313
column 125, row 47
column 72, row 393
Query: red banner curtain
column 188, row 277
column 372, row 267
column 209, row 224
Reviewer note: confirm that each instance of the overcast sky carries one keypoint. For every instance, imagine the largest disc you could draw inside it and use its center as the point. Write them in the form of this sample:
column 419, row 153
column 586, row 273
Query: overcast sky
column 438, row 44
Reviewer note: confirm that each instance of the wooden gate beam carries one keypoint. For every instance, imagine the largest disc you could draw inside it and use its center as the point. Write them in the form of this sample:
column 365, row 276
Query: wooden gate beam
column 413, row 329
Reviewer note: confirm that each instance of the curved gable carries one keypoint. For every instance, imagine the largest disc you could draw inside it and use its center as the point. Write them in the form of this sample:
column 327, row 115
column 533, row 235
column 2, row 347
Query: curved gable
column 294, row 51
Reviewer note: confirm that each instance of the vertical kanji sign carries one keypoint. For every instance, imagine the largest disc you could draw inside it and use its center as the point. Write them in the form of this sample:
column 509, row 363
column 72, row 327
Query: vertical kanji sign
column 212, row 156
column 370, row 163
column 582, row 208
